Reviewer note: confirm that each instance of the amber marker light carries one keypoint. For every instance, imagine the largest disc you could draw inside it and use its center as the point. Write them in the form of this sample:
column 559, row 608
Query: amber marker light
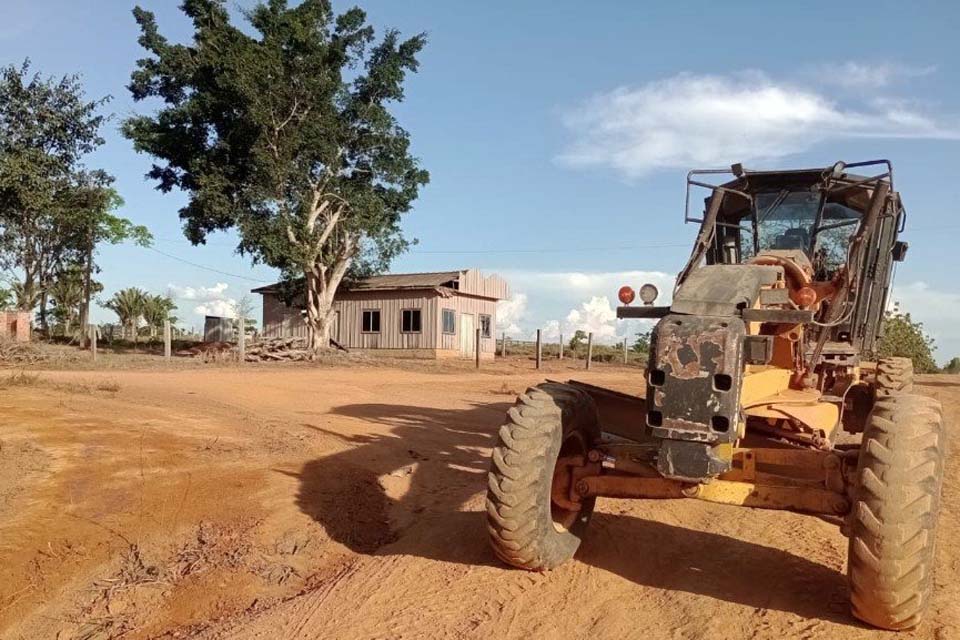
column 805, row 297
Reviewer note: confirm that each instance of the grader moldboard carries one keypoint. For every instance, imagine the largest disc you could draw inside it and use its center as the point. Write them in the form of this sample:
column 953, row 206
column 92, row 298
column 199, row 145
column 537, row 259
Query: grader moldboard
column 755, row 387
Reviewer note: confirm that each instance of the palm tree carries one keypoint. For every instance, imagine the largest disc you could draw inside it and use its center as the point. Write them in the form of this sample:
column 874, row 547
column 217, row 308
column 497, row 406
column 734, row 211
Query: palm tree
column 157, row 310
column 66, row 292
column 128, row 304
column 27, row 297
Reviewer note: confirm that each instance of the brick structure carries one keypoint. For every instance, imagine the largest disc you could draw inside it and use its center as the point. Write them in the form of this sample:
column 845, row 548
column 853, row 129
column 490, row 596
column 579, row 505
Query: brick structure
column 15, row 325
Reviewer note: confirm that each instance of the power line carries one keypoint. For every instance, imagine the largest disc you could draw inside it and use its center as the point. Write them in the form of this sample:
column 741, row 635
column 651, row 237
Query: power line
column 557, row 250
column 205, row 267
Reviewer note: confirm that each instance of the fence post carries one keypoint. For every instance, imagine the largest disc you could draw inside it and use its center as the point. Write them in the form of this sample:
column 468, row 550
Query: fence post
column 539, row 352
column 242, row 339
column 92, row 329
column 561, row 346
column 477, row 348
column 167, row 347
column 589, row 348
column 624, row 350
column 503, row 345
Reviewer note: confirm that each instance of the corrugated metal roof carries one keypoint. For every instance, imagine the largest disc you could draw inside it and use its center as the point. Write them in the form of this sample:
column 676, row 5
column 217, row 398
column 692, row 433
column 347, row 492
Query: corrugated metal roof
column 403, row 281
column 426, row 280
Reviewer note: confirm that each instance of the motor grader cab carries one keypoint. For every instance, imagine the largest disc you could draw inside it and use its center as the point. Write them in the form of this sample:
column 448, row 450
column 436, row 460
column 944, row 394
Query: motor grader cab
column 756, row 385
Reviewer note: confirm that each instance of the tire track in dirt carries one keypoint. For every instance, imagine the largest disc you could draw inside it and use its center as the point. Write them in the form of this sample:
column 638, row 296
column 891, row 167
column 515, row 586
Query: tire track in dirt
column 677, row 570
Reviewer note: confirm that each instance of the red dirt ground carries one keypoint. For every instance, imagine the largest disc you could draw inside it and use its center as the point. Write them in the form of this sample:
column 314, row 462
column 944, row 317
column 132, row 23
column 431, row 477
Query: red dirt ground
column 345, row 502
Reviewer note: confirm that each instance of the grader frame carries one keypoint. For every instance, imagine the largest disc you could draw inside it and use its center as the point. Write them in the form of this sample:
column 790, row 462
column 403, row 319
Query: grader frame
column 757, row 385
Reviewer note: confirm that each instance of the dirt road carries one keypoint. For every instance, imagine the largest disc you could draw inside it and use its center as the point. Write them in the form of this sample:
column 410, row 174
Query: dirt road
column 346, row 503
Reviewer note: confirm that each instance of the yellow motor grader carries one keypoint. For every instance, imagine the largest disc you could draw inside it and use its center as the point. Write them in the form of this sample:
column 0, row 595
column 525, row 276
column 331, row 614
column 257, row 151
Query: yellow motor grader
column 756, row 386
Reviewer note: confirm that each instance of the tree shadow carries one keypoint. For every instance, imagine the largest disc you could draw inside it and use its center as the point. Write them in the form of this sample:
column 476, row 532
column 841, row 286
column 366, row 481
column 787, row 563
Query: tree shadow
column 434, row 461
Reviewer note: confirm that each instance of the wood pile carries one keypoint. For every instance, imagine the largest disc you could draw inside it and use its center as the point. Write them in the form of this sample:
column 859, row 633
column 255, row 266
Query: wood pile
column 209, row 351
column 19, row 353
column 278, row 350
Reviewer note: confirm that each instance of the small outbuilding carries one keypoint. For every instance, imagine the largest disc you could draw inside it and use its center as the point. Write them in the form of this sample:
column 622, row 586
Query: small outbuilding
column 15, row 325
column 424, row 315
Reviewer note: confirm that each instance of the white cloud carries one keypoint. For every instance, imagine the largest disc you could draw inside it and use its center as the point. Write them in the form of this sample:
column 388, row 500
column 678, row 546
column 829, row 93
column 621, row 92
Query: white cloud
column 216, row 292
column 222, row 308
column 510, row 312
column 596, row 316
column 939, row 311
column 562, row 302
column 711, row 120
column 213, row 300
column 861, row 75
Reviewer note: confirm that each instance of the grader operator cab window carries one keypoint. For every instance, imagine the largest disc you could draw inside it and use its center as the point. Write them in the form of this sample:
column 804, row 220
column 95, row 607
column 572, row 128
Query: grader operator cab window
column 795, row 220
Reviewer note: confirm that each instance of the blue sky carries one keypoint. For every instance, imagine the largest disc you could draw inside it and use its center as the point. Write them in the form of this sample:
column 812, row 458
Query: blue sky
column 558, row 135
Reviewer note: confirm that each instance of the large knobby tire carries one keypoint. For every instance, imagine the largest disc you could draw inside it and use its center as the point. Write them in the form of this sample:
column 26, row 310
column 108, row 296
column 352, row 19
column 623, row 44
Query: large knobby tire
column 894, row 517
column 527, row 530
column 894, row 376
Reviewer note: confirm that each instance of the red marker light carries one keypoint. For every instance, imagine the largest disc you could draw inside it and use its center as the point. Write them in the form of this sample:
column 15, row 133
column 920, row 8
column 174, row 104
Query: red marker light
column 626, row 294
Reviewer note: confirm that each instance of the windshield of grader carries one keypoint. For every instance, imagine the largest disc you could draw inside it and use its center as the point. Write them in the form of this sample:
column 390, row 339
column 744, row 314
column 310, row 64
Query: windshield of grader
column 794, row 220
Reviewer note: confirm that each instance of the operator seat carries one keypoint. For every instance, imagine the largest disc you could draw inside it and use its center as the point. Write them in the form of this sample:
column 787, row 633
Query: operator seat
column 796, row 238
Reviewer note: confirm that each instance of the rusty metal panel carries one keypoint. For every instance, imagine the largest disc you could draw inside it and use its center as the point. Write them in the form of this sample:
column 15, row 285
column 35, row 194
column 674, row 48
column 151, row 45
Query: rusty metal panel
column 694, row 381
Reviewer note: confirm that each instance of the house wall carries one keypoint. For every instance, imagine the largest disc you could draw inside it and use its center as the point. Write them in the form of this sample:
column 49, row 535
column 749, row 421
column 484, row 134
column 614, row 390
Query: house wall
column 15, row 325
column 279, row 320
column 471, row 305
column 350, row 307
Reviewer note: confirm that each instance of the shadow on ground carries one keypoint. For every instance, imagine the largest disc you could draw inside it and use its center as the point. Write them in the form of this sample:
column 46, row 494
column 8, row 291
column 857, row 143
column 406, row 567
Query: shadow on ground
column 444, row 453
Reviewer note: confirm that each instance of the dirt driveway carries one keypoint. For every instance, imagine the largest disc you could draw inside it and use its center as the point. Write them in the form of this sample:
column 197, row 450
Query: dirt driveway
column 346, row 503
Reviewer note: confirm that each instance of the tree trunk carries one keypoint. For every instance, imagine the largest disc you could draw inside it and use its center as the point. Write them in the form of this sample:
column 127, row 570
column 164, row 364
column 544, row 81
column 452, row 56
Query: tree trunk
column 85, row 308
column 322, row 283
column 44, row 326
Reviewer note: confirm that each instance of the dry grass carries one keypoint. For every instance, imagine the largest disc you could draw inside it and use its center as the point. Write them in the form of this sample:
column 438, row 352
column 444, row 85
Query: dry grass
column 26, row 379
column 20, row 379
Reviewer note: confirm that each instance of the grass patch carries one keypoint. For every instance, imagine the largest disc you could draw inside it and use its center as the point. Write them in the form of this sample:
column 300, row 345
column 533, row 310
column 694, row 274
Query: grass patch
column 111, row 386
column 20, row 379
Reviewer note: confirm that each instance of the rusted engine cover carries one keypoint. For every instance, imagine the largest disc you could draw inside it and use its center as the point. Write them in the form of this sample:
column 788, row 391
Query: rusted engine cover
column 694, row 380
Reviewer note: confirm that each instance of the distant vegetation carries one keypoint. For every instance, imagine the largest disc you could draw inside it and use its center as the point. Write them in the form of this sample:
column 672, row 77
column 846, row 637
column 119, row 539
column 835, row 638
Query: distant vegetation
column 905, row 337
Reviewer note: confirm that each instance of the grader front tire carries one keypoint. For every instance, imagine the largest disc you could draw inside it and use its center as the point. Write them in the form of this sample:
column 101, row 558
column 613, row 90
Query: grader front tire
column 527, row 529
column 894, row 518
column 894, row 376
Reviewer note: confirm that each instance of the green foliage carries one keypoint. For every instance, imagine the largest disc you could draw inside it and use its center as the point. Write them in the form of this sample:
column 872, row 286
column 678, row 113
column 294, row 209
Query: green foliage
column 46, row 127
column 156, row 310
column 953, row 366
column 283, row 132
column 66, row 294
column 128, row 304
column 642, row 343
column 6, row 298
column 53, row 211
column 579, row 337
column 902, row 336
column 25, row 295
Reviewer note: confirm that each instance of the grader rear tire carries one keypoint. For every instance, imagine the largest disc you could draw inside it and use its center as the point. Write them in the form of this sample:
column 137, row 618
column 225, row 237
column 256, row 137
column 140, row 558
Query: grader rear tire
column 894, row 376
column 527, row 528
column 894, row 516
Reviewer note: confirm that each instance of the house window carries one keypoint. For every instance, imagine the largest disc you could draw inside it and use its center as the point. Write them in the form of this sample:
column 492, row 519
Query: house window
column 371, row 321
column 449, row 321
column 485, row 328
column 410, row 321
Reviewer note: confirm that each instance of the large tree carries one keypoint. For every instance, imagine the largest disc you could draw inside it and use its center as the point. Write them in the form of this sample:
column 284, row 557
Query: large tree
column 46, row 127
column 53, row 211
column 286, row 136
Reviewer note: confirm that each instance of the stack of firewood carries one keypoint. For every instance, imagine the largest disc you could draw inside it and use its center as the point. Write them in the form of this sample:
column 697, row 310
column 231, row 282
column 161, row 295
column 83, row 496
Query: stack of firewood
column 278, row 349
column 19, row 353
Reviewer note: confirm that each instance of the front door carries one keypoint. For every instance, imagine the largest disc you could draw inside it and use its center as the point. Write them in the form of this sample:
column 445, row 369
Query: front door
column 466, row 335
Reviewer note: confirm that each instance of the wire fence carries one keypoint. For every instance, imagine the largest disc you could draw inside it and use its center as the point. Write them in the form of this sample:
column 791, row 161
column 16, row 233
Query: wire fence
column 573, row 350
